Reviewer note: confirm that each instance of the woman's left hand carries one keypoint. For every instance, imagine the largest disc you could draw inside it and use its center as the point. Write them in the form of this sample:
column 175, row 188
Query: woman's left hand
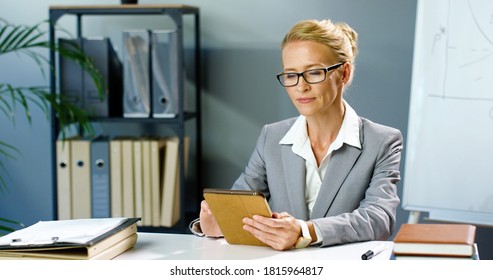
column 279, row 232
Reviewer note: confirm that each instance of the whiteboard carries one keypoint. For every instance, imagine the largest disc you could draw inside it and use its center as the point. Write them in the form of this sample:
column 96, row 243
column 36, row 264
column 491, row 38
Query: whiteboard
column 449, row 149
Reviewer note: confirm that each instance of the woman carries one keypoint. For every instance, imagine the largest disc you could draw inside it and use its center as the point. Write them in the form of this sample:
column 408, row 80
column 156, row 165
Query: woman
column 329, row 175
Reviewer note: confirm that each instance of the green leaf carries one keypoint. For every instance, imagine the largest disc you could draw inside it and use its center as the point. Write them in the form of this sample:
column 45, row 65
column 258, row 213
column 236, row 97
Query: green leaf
column 11, row 222
column 6, row 229
column 6, row 152
column 5, row 147
column 27, row 41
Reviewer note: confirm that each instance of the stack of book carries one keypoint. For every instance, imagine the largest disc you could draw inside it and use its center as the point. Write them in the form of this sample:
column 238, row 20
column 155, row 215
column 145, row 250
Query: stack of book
column 79, row 239
column 435, row 241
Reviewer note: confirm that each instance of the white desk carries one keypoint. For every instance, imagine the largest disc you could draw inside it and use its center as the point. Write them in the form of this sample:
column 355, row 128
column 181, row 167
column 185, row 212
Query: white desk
column 158, row 246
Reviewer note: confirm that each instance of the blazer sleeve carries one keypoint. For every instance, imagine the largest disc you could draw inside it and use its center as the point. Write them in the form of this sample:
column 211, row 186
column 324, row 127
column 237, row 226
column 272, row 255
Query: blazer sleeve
column 254, row 177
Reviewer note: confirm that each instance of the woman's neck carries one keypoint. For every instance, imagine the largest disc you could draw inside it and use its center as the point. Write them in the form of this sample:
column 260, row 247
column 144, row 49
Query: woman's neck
column 323, row 130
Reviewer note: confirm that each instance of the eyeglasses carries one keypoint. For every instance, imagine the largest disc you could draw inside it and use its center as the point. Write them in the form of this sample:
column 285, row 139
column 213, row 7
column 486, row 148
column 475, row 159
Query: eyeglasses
column 311, row 76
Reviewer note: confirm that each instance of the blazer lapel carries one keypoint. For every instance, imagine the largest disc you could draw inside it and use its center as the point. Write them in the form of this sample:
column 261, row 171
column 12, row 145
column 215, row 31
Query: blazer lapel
column 294, row 176
column 340, row 165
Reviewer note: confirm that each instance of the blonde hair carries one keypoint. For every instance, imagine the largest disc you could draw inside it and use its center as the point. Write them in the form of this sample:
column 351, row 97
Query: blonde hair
column 340, row 37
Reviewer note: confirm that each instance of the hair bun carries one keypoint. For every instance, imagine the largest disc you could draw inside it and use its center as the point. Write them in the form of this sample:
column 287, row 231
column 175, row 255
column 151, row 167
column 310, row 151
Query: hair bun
column 351, row 35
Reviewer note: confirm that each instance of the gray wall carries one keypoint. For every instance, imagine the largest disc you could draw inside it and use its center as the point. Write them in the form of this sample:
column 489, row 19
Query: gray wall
column 240, row 93
column 240, row 47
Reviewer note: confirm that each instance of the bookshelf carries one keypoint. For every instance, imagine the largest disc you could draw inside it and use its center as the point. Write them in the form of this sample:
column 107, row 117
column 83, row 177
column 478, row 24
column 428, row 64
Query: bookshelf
column 187, row 118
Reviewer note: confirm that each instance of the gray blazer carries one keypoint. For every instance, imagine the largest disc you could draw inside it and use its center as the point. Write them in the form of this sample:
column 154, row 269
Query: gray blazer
column 358, row 197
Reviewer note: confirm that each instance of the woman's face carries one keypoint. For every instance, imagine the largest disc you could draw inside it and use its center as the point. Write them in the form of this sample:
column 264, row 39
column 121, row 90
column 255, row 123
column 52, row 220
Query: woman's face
column 313, row 99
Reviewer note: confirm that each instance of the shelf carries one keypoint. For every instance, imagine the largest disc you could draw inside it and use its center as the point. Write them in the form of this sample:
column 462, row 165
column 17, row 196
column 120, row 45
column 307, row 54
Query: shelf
column 188, row 206
column 119, row 9
column 175, row 120
column 140, row 9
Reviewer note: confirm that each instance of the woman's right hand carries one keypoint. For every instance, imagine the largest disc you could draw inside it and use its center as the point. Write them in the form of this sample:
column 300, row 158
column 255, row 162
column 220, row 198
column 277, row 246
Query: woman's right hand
column 208, row 223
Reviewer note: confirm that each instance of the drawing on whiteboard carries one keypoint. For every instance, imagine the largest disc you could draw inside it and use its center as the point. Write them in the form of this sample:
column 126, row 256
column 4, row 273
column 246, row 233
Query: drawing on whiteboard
column 449, row 156
column 471, row 59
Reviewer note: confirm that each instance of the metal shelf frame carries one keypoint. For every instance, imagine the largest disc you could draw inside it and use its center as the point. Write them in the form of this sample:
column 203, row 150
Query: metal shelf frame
column 176, row 13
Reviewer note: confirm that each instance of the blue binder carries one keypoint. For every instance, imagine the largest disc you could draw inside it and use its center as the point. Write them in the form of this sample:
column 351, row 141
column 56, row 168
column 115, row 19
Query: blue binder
column 100, row 178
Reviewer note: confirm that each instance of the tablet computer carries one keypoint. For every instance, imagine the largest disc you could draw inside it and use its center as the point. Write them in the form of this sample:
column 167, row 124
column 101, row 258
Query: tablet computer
column 229, row 207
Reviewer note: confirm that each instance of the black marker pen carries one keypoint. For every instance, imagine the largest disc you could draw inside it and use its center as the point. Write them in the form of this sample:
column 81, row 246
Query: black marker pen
column 373, row 252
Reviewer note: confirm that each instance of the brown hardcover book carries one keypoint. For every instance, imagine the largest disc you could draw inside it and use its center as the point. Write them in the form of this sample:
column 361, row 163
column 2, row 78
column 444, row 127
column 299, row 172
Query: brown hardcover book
column 435, row 240
column 474, row 257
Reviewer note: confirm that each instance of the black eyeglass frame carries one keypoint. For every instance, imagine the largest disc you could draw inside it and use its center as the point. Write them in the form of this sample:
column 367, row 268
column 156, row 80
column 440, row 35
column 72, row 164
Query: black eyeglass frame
column 302, row 74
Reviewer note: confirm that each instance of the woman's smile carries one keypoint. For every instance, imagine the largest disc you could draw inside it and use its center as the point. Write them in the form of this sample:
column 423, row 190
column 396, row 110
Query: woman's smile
column 305, row 100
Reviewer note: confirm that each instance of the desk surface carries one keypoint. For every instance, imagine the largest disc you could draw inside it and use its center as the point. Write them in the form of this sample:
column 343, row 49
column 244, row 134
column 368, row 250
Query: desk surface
column 158, row 246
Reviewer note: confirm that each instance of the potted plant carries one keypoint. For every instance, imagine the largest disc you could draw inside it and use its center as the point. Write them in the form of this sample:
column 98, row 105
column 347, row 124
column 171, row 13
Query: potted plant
column 28, row 41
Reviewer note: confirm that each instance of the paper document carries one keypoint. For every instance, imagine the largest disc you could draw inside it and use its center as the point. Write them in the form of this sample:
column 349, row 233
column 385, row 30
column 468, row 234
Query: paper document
column 78, row 231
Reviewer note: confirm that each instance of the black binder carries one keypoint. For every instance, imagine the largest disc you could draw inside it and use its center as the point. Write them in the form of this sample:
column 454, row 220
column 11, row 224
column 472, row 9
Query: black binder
column 78, row 85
